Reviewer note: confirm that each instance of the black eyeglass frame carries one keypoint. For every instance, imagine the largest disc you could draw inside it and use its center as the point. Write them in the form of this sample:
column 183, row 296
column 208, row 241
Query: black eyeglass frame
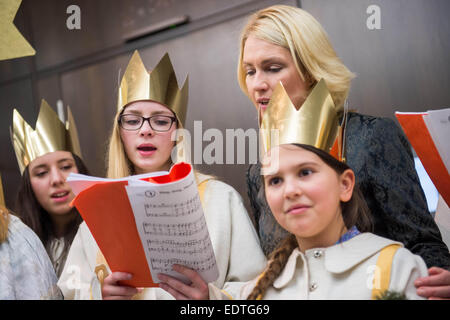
column 172, row 119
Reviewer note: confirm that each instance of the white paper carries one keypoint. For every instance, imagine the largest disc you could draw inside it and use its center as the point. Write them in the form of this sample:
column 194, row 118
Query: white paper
column 438, row 124
column 79, row 182
column 172, row 227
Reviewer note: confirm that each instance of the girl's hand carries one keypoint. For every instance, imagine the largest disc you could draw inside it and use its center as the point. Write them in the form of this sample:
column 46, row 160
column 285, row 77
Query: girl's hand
column 197, row 290
column 435, row 286
column 112, row 290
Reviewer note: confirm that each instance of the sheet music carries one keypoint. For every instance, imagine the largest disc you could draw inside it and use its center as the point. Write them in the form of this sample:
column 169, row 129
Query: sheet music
column 79, row 182
column 172, row 227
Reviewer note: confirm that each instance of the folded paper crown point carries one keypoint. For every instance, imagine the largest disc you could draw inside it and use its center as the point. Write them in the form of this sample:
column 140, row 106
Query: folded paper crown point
column 159, row 85
column 315, row 123
column 49, row 135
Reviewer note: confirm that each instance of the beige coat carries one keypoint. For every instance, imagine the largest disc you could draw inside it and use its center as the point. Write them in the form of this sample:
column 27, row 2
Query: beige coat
column 234, row 239
column 343, row 271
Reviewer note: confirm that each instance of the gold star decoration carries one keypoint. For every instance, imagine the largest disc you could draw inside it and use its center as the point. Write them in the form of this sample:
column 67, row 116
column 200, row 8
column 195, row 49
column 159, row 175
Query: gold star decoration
column 12, row 43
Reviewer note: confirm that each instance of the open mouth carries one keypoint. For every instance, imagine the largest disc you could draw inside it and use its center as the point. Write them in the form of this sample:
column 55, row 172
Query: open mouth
column 60, row 195
column 263, row 103
column 146, row 148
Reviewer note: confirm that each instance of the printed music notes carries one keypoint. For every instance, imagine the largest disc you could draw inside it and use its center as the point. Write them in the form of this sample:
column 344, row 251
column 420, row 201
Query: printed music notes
column 172, row 227
column 144, row 224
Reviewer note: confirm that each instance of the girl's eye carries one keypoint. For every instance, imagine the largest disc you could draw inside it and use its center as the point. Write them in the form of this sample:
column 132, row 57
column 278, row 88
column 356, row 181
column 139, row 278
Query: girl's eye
column 68, row 167
column 40, row 174
column 161, row 122
column 305, row 172
column 274, row 181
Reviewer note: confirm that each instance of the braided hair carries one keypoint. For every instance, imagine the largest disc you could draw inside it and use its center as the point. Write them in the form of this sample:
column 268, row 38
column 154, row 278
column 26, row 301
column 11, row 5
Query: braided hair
column 354, row 212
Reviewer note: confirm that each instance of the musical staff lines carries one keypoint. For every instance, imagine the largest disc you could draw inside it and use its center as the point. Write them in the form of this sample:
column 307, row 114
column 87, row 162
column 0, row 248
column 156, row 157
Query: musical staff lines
column 190, row 247
column 165, row 265
column 173, row 210
column 175, row 229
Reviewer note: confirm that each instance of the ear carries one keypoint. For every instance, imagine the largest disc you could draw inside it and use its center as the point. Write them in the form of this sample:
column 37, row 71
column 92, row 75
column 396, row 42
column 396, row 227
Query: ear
column 347, row 183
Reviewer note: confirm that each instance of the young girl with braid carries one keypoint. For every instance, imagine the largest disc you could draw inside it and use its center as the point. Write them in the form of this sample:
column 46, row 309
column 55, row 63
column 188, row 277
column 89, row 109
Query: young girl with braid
column 330, row 252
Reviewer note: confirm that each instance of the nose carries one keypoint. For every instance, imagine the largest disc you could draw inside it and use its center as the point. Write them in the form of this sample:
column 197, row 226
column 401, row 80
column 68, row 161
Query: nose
column 146, row 129
column 292, row 189
column 259, row 82
column 57, row 177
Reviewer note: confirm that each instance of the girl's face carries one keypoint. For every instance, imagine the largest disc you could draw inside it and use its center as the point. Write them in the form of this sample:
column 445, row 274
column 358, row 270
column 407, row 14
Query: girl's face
column 304, row 194
column 147, row 149
column 48, row 175
column 266, row 64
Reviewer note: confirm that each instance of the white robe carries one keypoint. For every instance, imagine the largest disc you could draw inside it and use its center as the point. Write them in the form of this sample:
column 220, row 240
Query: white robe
column 234, row 240
column 26, row 272
column 341, row 272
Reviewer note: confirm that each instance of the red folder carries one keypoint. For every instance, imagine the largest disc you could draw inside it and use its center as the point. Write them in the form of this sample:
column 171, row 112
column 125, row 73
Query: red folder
column 108, row 214
column 418, row 135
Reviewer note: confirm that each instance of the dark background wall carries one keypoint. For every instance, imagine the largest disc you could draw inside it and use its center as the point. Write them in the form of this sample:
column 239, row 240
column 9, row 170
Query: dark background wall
column 403, row 66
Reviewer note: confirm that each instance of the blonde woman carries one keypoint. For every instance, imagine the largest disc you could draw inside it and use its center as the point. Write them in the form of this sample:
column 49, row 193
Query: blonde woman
column 284, row 43
column 141, row 143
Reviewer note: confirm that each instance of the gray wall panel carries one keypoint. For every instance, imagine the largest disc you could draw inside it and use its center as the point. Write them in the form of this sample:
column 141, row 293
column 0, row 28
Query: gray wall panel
column 403, row 66
column 19, row 96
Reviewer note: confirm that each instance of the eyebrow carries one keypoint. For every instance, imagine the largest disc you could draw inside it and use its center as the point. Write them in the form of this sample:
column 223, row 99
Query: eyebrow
column 265, row 61
column 44, row 165
column 158, row 112
column 308, row 163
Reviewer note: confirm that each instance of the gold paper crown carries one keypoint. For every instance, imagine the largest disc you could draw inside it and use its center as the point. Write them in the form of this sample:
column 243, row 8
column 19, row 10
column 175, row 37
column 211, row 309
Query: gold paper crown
column 50, row 135
column 316, row 123
column 159, row 85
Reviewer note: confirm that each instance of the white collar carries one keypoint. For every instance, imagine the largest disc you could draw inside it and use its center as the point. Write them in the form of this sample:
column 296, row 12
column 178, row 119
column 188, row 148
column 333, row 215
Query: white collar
column 338, row 258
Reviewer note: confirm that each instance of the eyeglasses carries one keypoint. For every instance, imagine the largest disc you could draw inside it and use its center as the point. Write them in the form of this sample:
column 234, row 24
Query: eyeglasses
column 159, row 123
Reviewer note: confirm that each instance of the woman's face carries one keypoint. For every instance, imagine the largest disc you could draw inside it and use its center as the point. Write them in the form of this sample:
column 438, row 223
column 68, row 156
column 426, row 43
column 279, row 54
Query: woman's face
column 147, row 149
column 48, row 175
column 304, row 194
column 265, row 65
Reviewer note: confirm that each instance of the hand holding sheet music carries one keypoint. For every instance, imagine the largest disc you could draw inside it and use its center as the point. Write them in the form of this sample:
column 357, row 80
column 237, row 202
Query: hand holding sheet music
column 172, row 227
column 144, row 224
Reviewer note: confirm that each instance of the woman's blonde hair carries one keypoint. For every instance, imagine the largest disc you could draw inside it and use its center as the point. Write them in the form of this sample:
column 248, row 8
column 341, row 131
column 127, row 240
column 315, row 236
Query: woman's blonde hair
column 300, row 33
column 4, row 221
column 118, row 165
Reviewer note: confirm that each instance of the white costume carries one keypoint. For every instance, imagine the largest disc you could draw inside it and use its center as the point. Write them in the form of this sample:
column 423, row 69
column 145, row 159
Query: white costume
column 342, row 271
column 234, row 239
column 26, row 272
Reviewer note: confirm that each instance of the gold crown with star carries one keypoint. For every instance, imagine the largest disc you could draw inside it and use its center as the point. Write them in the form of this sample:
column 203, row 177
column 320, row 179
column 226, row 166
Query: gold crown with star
column 315, row 123
column 50, row 135
column 159, row 85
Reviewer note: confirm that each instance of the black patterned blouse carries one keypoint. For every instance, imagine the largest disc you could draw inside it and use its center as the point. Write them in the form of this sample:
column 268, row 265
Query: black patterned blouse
column 381, row 157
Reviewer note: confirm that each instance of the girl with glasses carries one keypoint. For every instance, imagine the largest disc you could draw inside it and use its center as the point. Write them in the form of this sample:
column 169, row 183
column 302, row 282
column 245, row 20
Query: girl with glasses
column 141, row 143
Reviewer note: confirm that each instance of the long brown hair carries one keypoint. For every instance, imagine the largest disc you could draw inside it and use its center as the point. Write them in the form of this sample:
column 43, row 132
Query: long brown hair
column 354, row 212
column 38, row 219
